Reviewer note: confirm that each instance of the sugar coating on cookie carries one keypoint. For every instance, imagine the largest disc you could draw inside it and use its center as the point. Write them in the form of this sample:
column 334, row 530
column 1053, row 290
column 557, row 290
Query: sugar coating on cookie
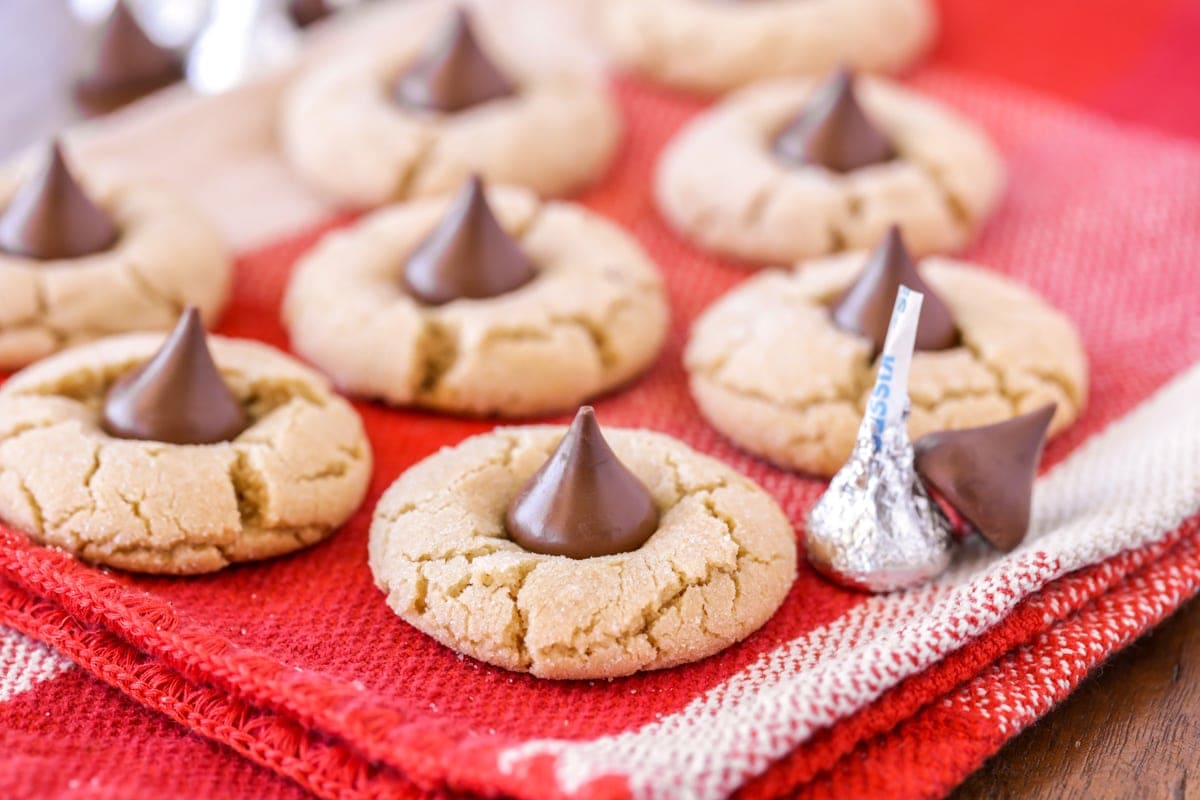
column 769, row 368
column 720, row 185
column 717, row 45
column 166, row 256
column 343, row 131
column 294, row 475
column 592, row 318
column 720, row 563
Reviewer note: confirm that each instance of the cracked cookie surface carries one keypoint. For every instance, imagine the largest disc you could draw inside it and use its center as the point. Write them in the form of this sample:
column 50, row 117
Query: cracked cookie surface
column 709, row 46
column 593, row 317
column 341, row 130
column 771, row 371
column 719, row 565
column 167, row 257
column 286, row 482
column 720, row 185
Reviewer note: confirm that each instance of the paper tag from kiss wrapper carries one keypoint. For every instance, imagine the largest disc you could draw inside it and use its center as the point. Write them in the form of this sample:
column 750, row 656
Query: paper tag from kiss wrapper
column 889, row 398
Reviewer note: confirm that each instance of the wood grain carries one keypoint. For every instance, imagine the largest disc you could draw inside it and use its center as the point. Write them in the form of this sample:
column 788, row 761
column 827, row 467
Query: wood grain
column 1130, row 731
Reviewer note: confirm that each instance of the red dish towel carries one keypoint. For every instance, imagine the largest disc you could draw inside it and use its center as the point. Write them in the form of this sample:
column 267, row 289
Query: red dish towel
column 299, row 666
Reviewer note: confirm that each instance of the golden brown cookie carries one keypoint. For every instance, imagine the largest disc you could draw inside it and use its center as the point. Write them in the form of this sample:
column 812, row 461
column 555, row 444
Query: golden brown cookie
column 342, row 129
column 722, row 186
column 289, row 479
column 166, row 256
column 718, row 566
column 717, row 45
column 592, row 318
column 770, row 369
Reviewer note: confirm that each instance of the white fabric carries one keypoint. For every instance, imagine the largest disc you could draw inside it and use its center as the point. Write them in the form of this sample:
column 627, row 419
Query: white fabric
column 25, row 663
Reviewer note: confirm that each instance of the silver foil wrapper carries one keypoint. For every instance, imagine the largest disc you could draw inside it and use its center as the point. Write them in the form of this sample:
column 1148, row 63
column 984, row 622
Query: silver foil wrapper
column 242, row 39
column 876, row 527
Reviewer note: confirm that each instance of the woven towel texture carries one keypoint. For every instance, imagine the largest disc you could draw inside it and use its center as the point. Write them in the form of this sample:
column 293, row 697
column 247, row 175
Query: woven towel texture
column 298, row 665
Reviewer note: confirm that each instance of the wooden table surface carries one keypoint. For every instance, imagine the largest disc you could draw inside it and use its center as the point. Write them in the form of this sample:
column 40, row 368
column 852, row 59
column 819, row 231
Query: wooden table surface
column 1132, row 730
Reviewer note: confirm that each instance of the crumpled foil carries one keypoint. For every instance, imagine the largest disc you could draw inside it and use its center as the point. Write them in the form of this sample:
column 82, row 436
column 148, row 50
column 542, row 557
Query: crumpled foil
column 876, row 527
column 241, row 40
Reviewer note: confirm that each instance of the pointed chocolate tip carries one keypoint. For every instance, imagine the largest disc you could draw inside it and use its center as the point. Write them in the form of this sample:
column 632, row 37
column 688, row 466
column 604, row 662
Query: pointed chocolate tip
column 833, row 131
column 987, row 473
column 127, row 64
column 583, row 502
column 178, row 396
column 454, row 74
column 51, row 217
column 55, row 156
column 866, row 307
column 838, row 88
column 474, row 189
column 468, row 255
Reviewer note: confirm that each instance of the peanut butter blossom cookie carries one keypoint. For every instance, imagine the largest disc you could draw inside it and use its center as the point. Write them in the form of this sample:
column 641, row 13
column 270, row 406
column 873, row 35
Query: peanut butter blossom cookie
column 492, row 303
column 178, row 456
column 717, row 45
column 796, row 169
column 78, row 263
column 783, row 364
column 444, row 102
column 580, row 554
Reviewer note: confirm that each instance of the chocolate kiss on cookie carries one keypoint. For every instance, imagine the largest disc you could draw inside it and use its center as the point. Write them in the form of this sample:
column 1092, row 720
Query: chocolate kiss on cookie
column 51, row 217
column 866, row 307
column 583, row 502
column 453, row 75
column 127, row 65
column 987, row 473
column 306, row 12
column 468, row 255
column 178, row 396
column 833, row 131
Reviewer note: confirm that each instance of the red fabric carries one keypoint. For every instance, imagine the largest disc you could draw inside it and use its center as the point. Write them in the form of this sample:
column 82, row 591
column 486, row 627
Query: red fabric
column 297, row 664
column 1137, row 62
column 76, row 737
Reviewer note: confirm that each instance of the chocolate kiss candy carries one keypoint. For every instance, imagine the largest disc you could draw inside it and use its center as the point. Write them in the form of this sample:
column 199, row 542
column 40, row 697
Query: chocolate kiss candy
column 453, row 75
column 987, row 473
column 583, row 502
column 51, row 217
column 468, row 255
column 833, row 131
column 306, row 12
column 178, row 396
column 866, row 307
column 128, row 64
